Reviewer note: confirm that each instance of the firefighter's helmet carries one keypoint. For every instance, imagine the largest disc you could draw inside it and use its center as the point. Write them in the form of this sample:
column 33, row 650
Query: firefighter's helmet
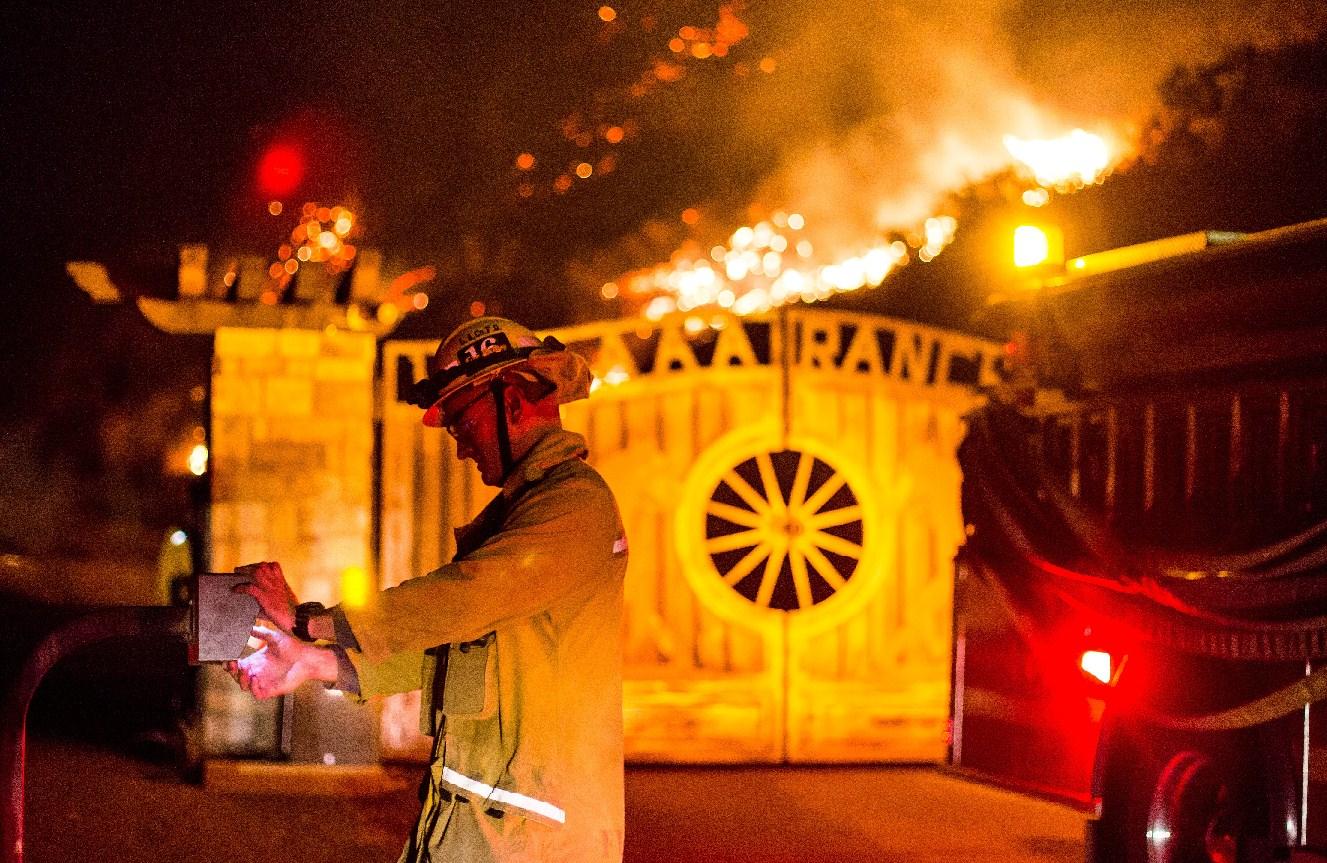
column 489, row 350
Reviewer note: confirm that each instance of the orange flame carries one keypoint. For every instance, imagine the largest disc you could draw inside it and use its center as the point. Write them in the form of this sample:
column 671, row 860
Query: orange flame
column 774, row 262
column 1071, row 161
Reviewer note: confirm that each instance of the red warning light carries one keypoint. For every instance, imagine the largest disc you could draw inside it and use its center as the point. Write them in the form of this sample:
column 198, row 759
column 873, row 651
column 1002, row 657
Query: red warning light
column 280, row 171
column 1097, row 664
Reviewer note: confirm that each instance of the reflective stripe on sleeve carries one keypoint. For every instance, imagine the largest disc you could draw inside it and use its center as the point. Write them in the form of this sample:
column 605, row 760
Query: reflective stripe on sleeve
column 501, row 795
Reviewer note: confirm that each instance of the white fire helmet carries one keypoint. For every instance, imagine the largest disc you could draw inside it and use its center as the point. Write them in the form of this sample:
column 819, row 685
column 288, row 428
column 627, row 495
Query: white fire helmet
column 487, row 349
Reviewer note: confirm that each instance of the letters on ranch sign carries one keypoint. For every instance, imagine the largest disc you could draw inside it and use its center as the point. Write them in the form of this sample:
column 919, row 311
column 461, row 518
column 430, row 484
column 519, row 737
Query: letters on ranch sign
column 872, row 347
column 876, row 347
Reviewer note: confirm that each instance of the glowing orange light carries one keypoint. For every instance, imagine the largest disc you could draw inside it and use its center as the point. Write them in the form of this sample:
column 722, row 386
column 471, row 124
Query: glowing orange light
column 687, row 32
column 676, row 45
column 700, row 50
column 198, row 460
column 268, row 298
column 607, row 13
column 609, row 290
column 477, row 309
column 309, row 209
column 525, row 161
column 690, row 216
column 291, row 266
column 767, row 65
column 608, row 164
column 355, row 586
column 274, row 207
column 614, row 135
column 276, row 270
column 284, row 251
column 584, row 170
column 562, row 183
column 525, row 190
column 323, row 214
column 408, row 280
column 668, row 72
column 1036, row 197
column 1031, row 246
column 420, row 300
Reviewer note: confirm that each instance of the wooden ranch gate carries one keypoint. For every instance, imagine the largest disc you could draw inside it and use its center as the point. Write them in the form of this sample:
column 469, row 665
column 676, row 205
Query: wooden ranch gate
column 790, row 492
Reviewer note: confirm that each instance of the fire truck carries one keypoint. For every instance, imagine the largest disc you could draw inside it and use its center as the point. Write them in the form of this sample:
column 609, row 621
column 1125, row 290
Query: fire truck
column 1140, row 615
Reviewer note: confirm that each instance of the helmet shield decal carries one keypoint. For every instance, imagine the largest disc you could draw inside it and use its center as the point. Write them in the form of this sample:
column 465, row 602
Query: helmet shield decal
column 481, row 349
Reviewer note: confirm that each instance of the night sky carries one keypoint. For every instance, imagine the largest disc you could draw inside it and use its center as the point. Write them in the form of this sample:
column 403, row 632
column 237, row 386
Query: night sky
column 133, row 129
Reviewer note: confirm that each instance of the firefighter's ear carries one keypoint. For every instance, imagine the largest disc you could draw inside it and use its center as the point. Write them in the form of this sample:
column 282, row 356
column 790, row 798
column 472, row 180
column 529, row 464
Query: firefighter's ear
column 513, row 402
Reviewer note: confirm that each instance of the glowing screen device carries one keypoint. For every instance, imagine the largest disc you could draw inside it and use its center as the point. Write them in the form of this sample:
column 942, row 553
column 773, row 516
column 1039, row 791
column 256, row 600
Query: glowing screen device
column 220, row 620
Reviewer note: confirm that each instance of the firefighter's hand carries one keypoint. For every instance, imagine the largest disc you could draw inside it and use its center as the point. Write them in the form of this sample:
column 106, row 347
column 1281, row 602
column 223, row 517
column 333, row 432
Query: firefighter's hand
column 281, row 665
column 268, row 586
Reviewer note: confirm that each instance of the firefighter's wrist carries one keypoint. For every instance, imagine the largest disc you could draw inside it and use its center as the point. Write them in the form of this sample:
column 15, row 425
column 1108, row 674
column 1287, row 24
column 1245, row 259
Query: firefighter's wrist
column 320, row 664
column 306, row 617
column 320, row 626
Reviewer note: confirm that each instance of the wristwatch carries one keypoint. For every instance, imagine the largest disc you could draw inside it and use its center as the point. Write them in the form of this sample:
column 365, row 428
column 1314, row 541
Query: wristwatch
column 303, row 612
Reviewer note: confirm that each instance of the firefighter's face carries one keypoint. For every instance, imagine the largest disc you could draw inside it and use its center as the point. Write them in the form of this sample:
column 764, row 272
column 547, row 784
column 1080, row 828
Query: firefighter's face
column 471, row 418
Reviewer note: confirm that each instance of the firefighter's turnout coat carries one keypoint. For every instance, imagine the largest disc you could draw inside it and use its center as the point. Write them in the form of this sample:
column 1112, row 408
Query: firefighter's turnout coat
column 515, row 645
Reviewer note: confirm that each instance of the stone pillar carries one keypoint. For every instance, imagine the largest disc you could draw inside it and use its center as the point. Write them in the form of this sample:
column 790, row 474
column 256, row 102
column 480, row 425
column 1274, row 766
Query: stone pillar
column 292, row 481
column 292, row 455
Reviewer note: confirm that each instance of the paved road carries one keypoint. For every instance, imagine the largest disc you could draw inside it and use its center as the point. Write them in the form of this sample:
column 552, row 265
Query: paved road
column 881, row 815
column 89, row 803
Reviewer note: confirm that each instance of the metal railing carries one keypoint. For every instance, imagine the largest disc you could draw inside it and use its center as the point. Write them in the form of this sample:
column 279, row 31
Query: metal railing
column 168, row 622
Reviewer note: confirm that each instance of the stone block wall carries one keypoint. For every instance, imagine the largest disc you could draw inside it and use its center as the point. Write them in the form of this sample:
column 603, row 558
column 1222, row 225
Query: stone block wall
column 292, row 480
column 292, row 454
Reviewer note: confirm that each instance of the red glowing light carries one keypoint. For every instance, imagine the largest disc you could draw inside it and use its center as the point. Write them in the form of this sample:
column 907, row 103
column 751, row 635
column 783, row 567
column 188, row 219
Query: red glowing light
column 280, row 170
column 1097, row 663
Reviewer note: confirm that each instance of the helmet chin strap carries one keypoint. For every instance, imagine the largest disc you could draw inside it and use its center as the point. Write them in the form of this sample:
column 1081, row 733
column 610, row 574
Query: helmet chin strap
column 500, row 414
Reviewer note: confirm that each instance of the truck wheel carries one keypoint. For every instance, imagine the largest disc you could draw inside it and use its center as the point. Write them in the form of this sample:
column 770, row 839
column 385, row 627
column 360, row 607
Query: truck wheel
column 1192, row 816
column 1181, row 804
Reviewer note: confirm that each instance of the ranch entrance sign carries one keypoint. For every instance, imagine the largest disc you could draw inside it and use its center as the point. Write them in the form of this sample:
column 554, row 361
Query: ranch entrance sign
column 790, row 492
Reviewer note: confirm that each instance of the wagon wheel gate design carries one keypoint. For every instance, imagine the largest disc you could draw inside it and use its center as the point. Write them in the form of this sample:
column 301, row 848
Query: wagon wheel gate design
column 784, row 530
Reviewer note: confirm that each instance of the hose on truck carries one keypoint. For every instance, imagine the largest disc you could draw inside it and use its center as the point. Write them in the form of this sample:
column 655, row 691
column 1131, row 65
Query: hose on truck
column 1023, row 529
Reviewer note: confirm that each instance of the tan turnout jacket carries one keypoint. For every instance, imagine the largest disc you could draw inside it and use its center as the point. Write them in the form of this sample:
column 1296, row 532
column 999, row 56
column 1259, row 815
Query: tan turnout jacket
column 528, row 714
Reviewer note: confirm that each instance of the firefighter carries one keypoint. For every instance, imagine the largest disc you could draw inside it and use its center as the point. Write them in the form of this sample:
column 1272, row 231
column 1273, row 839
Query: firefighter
column 515, row 644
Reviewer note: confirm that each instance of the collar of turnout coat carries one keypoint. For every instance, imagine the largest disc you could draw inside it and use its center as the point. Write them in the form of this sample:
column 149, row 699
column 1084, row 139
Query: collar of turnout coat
column 549, row 451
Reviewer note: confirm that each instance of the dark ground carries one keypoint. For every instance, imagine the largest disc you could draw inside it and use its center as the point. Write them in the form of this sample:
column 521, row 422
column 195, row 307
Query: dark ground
column 100, row 789
column 88, row 802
